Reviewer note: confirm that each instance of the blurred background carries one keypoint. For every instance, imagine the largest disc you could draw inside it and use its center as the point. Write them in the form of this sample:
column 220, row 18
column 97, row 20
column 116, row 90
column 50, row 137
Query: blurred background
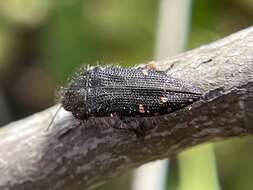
column 42, row 43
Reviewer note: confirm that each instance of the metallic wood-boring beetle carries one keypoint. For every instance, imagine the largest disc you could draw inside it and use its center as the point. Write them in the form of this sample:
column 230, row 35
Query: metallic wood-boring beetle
column 125, row 92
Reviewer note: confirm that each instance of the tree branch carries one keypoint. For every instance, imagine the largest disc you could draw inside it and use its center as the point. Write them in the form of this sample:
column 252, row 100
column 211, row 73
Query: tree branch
column 76, row 155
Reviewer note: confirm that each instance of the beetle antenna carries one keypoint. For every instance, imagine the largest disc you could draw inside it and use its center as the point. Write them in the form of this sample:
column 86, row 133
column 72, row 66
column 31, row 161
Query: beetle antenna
column 54, row 116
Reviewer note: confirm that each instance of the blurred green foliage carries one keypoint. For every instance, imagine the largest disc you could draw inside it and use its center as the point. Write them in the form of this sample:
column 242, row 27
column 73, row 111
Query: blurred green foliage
column 98, row 32
column 42, row 42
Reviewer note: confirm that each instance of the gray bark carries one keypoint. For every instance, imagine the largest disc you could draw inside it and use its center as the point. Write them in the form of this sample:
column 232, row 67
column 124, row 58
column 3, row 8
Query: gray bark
column 81, row 155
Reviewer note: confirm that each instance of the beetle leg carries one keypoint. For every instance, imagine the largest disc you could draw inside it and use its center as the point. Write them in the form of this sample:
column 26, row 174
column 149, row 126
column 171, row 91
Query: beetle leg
column 147, row 124
column 140, row 126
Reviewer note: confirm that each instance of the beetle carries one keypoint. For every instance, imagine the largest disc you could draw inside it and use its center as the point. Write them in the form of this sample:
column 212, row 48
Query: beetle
column 114, row 91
